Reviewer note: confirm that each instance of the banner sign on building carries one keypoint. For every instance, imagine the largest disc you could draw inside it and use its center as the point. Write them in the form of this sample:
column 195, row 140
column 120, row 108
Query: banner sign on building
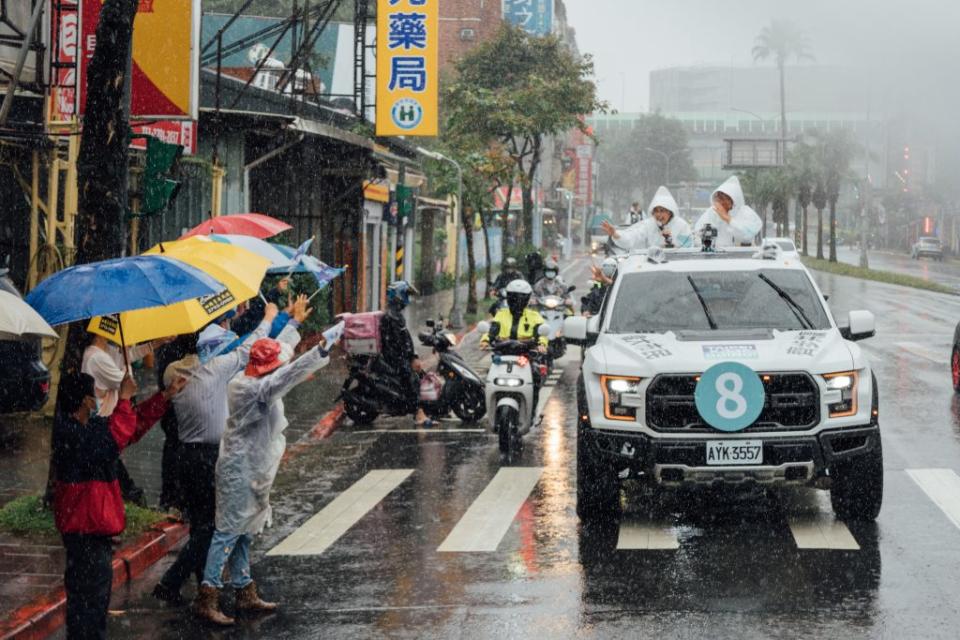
column 407, row 67
column 181, row 132
column 533, row 16
column 166, row 50
column 65, row 33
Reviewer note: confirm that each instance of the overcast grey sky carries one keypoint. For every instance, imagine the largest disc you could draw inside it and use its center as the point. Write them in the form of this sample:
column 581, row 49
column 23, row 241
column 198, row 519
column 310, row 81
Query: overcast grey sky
column 916, row 43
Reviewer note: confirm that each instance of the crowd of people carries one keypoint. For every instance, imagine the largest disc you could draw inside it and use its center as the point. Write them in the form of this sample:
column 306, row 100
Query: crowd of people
column 220, row 400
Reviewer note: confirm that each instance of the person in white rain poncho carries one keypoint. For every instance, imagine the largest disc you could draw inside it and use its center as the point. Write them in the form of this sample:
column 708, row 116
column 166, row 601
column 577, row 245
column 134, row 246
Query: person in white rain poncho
column 664, row 229
column 250, row 452
column 735, row 222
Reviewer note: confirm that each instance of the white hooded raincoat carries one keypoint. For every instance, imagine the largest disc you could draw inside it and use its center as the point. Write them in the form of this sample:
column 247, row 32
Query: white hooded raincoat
column 744, row 222
column 647, row 233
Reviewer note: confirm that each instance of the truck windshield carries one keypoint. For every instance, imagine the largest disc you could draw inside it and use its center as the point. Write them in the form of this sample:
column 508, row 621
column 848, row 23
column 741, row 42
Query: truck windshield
column 667, row 301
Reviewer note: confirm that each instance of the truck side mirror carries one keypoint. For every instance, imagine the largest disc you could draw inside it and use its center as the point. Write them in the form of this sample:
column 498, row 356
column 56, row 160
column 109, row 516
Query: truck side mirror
column 860, row 326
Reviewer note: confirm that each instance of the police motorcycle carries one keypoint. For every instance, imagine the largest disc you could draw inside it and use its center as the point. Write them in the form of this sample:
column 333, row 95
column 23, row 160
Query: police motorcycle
column 517, row 371
column 554, row 310
column 373, row 387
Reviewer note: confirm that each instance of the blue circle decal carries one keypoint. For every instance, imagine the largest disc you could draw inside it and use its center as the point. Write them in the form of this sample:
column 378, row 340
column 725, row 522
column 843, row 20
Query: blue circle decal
column 729, row 396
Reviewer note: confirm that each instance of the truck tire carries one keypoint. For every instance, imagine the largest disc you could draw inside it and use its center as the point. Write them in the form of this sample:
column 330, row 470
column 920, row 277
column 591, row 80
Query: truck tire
column 598, row 489
column 857, row 491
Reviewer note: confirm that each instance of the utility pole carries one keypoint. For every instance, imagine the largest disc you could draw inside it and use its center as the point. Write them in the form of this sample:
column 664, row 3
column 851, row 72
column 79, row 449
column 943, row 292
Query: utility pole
column 456, row 313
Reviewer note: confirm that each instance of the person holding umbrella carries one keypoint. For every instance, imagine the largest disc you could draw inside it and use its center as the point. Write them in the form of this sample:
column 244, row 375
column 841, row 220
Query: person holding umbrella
column 252, row 446
column 87, row 506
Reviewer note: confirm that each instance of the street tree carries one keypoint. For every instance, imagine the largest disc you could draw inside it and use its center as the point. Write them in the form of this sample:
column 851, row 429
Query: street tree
column 802, row 170
column 102, row 162
column 835, row 153
column 640, row 160
column 780, row 41
column 819, row 200
column 518, row 89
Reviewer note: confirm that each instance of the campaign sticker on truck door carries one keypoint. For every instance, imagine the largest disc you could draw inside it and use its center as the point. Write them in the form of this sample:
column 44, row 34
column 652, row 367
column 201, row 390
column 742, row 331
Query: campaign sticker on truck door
column 729, row 396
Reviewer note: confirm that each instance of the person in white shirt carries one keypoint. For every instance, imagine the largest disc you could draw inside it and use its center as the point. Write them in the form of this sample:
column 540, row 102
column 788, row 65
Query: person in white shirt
column 735, row 222
column 104, row 361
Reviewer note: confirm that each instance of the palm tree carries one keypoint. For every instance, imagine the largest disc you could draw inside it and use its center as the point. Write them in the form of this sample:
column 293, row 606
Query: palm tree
column 782, row 40
column 837, row 152
column 803, row 177
column 819, row 200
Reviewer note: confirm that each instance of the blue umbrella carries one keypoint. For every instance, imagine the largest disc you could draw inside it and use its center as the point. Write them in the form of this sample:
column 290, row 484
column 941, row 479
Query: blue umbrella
column 322, row 272
column 113, row 286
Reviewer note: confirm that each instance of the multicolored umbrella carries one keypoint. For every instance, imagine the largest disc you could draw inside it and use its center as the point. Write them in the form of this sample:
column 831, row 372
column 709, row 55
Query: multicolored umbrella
column 264, row 249
column 322, row 272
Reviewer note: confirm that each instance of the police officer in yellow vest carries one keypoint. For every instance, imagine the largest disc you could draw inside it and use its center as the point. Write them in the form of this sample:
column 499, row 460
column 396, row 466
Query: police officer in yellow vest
column 517, row 321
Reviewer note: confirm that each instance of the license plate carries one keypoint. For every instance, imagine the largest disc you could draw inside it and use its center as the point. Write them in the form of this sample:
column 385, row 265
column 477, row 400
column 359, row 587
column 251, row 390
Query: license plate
column 726, row 453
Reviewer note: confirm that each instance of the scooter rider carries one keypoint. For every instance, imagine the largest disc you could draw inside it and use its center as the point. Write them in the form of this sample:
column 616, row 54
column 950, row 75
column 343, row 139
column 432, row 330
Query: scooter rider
column 517, row 320
column 509, row 273
column 397, row 351
column 551, row 284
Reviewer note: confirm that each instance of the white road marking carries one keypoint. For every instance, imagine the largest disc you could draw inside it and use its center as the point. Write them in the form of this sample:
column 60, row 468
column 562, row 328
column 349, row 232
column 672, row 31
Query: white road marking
column 424, row 431
column 487, row 520
column 319, row 532
column 943, row 487
column 648, row 536
column 924, row 352
column 821, row 531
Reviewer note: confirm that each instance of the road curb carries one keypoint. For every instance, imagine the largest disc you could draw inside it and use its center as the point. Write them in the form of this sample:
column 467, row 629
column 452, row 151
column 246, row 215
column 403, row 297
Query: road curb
column 47, row 613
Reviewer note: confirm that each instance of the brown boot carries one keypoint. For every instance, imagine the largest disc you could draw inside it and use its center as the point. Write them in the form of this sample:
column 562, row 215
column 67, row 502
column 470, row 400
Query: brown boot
column 248, row 600
column 207, row 606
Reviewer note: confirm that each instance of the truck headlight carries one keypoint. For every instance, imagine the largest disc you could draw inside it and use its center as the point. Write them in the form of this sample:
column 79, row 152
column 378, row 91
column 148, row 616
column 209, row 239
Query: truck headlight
column 614, row 390
column 846, row 383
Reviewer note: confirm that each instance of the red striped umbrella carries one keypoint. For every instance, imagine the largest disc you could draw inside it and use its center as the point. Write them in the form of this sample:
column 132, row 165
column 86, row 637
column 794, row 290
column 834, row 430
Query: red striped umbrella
column 240, row 224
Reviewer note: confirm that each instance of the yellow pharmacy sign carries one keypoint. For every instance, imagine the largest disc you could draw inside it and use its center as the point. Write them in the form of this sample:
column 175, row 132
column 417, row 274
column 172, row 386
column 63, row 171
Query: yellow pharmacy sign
column 407, row 75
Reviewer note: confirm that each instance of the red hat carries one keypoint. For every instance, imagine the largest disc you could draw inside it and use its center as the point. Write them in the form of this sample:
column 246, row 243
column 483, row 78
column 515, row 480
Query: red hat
column 264, row 357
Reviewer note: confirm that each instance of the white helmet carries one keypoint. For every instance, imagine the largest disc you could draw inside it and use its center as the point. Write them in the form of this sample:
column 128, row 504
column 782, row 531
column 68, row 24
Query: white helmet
column 518, row 296
column 519, row 286
column 609, row 267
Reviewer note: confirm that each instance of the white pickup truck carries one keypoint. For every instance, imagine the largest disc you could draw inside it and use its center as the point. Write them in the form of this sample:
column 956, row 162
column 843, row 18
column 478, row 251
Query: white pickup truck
column 724, row 367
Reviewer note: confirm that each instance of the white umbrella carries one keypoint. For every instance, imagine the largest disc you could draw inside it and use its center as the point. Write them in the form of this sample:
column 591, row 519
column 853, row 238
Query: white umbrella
column 19, row 320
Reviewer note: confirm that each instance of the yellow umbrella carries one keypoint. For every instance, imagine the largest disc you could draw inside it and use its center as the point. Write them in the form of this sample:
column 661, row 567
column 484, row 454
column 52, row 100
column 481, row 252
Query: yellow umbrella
column 241, row 271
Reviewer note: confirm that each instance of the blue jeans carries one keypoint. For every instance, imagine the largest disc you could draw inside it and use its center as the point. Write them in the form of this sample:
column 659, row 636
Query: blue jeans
column 228, row 549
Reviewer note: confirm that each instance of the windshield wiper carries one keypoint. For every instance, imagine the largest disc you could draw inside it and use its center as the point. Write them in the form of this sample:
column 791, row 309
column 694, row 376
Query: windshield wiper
column 703, row 303
column 796, row 308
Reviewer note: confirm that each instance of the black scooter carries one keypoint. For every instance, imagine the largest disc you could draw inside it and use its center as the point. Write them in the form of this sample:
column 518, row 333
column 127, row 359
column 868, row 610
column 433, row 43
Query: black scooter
column 373, row 388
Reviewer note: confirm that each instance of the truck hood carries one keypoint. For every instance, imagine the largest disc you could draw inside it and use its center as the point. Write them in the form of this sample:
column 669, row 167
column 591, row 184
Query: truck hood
column 646, row 355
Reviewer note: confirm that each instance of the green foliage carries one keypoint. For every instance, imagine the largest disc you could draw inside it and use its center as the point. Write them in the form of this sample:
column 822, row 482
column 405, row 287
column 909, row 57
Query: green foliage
column 26, row 516
column 843, row 269
column 636, row 160
column 780, row 41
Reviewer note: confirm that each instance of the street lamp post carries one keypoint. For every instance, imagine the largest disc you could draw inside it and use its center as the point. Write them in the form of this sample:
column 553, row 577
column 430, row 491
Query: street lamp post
column 568, row 244
column 456, row 313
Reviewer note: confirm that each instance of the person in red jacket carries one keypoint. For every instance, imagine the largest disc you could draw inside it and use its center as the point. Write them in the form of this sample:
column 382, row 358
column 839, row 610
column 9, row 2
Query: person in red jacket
column 87, row 506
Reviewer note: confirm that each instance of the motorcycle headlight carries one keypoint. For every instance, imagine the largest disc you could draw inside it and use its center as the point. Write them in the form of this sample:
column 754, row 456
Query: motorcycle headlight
column 846, row 383
column 614, row 390
column 550, row 304
column 508, row 382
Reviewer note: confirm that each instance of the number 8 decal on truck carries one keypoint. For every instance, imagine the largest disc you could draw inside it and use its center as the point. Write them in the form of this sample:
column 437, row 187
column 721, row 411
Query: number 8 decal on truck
column 729, row 396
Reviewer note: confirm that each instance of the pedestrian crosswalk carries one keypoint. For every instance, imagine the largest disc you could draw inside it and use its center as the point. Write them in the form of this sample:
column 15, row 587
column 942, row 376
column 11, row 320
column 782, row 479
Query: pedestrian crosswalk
column 486, row 523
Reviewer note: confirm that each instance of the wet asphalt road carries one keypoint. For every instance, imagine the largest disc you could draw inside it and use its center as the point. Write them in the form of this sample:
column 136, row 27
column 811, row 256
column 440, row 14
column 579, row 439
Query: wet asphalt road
column 737, row 571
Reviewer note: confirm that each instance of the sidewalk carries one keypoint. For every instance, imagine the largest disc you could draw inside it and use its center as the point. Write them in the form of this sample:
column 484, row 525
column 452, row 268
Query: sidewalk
column 29, row 571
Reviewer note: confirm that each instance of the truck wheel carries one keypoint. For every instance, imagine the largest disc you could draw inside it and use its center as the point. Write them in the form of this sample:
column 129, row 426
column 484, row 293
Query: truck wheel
column 857, row 491
column 598, row 489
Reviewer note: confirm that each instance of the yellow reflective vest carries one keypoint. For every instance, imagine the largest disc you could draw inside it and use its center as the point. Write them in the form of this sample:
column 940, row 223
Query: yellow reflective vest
column 526, row 329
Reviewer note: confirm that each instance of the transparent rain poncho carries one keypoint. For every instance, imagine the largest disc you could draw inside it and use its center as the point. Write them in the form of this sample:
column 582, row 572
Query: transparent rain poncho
column 254, row 442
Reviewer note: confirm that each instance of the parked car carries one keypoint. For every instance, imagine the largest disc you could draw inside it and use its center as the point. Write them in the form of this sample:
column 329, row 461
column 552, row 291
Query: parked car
column 24, row 379
column 786, row 245
column 929, row 247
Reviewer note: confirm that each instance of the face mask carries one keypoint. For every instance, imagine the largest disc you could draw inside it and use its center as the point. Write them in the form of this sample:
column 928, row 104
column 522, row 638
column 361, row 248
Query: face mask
column 550, row 274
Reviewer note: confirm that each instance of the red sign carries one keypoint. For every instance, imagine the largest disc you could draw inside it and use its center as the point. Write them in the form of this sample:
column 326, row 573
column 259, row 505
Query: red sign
column 516, row 198
column 64, row 32
column 583, row 172
column 183, row 132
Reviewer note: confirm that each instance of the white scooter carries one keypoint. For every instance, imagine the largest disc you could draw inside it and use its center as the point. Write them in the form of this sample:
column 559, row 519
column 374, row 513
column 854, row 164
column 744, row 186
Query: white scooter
column 516, row 373
column 555, row 310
